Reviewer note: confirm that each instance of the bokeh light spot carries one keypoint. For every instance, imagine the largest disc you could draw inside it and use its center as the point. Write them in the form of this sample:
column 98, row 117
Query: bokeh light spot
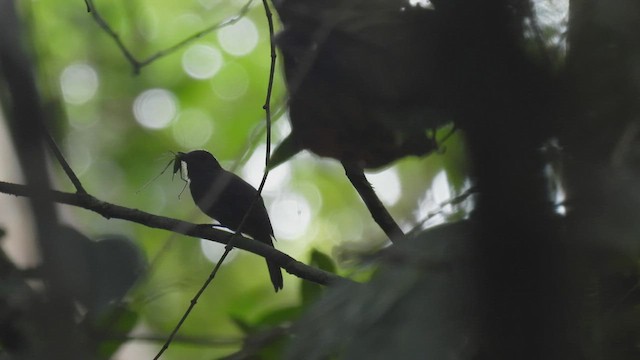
column 80, row 160
column 231, row 82
column 192, row 128
column 441, row 189
column 240, row 38
column 387, row 185
column 349, row 225
column 79, row 83
column 430, row 208
column 425, row 4
column 213, row 251
column 155, row 108
column 202, row 61
column 253, row 170
column 290, row 215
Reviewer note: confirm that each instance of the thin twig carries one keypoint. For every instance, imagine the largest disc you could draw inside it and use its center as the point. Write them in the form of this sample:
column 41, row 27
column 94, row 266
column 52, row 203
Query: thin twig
column 452, row 201
column 267, row 109
column 105, row 26
column 192, row 303
column 230, row 21
column 233, row 238
column 63, row 162
column 139, row 64
column 190, row 340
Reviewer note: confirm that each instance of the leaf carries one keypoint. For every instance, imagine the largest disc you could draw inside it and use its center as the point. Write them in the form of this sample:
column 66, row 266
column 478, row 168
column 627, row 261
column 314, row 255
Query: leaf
column 118, row 321
column 285, row 151
column 242, row 324
column 279, row 316
column 310, row 291
column 322, row 261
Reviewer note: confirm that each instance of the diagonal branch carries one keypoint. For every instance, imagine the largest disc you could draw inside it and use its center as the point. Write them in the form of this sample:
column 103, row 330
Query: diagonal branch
column 63, row 162
column 139, row 64
column 113, row 211
column 232, row 241
column 373, row 203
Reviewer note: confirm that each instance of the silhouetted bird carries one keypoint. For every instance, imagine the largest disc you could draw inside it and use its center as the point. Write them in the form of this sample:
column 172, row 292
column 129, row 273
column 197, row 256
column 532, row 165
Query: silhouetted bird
column 365, row 84
column 226, row 198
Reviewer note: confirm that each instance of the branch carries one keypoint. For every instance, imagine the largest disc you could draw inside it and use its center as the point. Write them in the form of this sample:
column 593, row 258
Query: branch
column 63, row 162
column 373, row 203
column 257, row 341
column 112, row 211
column 185, row 340
column 232, row 239
column 139, row 64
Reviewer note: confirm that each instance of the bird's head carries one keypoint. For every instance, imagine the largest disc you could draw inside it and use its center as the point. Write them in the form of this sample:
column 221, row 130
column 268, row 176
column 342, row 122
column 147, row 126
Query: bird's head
column 196, row 161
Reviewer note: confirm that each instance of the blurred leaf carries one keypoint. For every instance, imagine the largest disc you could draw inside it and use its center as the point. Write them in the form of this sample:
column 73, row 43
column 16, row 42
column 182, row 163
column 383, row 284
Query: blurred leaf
column 427, row 279
column 116, row 265
column 116, row 323
column 322, row 261
column 279, row 316
column 243, row 325
column 311, row 291
column 287, row 149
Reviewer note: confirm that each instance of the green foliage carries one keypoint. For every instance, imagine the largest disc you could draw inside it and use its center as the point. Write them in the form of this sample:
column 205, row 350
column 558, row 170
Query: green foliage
column 118, row 321
column 310, row 292
column 118, row 124
column 97, row 115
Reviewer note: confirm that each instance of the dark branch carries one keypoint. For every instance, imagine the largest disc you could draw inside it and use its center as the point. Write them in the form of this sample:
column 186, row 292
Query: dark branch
column 373, row 203
column 63, row 162
column 139, row 64
column 112, row 211
column 230, row 21
column 112, row 34
column 185, row 340
column 234, row 238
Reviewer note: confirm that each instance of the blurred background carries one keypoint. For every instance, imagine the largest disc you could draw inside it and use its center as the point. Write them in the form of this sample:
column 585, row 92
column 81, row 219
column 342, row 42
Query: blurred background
column 118, row 129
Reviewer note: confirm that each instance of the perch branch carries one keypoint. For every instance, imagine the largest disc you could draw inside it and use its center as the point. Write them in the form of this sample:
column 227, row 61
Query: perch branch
column 234, row 237
column 113, row 211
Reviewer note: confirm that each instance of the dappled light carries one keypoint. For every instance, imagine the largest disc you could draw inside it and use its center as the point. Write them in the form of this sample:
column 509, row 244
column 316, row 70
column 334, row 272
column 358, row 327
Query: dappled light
column 79, row 83
column 213, row 251
column 387, row 185
column 442, row 179
column 347, row 226
column 290, row 215
column 202, row 61
column 239, row 39
column 231, row 82
column 80, row 160
column 192, row 128
column 155, row 108
column 254, row 167
column 431, row 210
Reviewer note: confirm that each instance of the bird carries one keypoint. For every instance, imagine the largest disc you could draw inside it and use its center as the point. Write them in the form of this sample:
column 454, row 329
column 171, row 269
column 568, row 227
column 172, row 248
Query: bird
column 226, row 197
column 365, row 84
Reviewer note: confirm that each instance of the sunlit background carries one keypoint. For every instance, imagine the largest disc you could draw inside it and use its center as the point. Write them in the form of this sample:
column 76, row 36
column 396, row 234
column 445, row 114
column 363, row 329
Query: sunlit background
column 118, row 130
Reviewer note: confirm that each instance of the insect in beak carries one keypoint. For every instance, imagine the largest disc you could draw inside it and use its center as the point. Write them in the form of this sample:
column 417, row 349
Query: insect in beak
column 177, row 166
column 177, row 163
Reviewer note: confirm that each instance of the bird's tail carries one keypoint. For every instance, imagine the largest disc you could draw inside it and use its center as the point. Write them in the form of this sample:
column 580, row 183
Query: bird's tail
column 276, row 275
